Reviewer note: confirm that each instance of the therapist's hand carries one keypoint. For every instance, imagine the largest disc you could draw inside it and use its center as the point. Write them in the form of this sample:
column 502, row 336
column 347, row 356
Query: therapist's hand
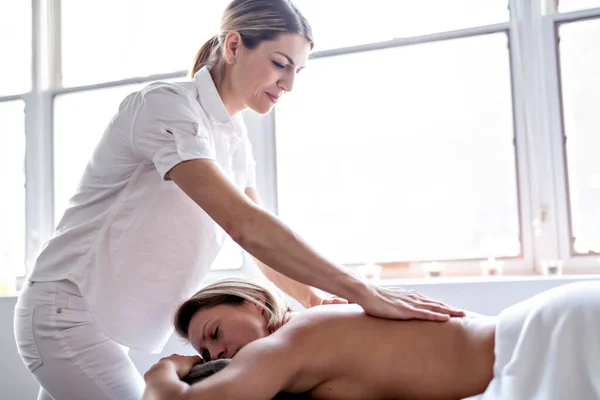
column 398, row 303
column 332, row 300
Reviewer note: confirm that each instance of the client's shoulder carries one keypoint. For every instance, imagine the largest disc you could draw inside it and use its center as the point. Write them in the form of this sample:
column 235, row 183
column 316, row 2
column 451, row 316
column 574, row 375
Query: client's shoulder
column 309, row 326
column 325, row 314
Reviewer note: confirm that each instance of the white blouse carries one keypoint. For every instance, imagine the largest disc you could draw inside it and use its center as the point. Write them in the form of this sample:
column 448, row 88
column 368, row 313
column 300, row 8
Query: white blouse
column 131, row 240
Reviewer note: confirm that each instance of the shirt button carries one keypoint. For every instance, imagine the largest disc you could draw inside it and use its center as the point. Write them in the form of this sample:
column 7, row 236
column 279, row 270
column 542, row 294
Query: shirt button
column 183, row 148
column 58, row 311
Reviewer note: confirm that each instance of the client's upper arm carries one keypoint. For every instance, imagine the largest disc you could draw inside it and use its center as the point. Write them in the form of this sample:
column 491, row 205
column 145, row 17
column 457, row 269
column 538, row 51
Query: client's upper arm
column 259, row 371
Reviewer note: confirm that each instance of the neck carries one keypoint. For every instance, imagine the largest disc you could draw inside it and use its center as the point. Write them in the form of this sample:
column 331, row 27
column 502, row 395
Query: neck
column 286, row 318
column 226, row 91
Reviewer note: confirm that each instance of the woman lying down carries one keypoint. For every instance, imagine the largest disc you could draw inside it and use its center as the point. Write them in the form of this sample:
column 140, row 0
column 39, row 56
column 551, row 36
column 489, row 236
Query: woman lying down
column 546, row 347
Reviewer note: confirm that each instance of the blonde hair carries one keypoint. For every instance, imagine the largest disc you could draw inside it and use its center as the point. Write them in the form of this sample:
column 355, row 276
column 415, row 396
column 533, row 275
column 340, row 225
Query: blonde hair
column 233, row 291
column 255, row 21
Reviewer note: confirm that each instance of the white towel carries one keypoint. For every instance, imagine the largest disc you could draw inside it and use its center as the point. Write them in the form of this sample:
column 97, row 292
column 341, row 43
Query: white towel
column 548, row 347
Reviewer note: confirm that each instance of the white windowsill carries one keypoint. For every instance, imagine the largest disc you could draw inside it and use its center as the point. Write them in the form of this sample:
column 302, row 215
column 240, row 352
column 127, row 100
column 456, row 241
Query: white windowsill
column 482, row 280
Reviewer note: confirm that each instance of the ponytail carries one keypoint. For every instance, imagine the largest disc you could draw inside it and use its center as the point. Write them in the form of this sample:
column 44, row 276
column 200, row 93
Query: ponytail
column 206, row 54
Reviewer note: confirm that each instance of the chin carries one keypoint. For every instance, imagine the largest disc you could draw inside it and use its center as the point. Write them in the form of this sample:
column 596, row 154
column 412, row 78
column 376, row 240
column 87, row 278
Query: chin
column 261, row 108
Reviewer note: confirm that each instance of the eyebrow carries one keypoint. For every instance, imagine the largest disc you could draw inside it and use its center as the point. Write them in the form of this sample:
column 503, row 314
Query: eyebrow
column 204, row 330
column 286, row 56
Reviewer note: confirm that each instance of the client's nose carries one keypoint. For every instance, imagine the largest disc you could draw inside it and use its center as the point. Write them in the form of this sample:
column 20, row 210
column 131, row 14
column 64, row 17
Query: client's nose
column 218, row 351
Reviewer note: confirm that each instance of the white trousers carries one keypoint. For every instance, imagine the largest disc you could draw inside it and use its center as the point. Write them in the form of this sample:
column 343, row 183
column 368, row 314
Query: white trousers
column 64, row 348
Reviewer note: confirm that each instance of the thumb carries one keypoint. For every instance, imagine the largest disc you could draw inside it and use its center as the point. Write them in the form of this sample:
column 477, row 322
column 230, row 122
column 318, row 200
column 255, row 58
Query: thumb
column 197, row 359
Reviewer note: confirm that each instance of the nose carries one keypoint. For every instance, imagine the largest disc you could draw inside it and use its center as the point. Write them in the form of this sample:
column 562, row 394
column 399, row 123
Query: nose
column 218, row 351
column 286, row 83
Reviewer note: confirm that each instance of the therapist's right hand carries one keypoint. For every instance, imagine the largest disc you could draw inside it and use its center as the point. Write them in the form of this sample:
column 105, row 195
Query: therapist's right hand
column 399, row 303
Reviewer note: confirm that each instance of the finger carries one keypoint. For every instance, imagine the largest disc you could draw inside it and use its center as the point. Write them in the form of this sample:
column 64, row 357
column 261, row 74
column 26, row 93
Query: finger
column 436, row 303
column 444, row 308
column 339, row 300
column 439, row 303
column 196, row 359
column 427, row 306
column 441, row 307
column 334, row 300
column 429, row 315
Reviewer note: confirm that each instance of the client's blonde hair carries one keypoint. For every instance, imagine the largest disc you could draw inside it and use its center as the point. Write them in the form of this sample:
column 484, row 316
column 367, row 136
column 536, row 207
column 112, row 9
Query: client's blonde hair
column 233, row 291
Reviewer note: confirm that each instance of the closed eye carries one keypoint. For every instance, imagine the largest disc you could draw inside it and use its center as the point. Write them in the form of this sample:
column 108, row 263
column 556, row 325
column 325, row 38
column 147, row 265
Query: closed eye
column 278, row 65
column 216, row 334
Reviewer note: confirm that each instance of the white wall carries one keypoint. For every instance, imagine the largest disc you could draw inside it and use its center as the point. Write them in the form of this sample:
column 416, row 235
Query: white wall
column 478, row 295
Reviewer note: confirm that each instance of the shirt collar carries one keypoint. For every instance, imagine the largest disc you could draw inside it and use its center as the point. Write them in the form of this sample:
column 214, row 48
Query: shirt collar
column 211, row 102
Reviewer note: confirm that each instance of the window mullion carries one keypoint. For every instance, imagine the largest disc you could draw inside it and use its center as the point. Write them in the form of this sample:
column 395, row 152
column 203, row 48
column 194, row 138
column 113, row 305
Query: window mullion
column 556, row 140
column 517, row 39
column 38, row 123
column 532, row 76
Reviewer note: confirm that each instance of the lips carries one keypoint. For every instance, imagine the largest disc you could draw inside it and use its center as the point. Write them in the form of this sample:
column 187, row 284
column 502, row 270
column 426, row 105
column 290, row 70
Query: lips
column 272, row 98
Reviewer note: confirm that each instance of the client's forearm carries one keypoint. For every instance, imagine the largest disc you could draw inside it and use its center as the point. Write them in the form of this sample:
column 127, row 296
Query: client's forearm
column 162, row 383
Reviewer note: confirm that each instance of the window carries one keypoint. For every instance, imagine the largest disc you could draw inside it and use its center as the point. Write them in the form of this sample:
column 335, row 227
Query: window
column 403, row 163
column 424, row 141
column 12, row 176
column 579, row 66
column 339, row 23
column 15, row 79
column 421, row 130
column 112, row 39
column 15, row 47
column 573, row 5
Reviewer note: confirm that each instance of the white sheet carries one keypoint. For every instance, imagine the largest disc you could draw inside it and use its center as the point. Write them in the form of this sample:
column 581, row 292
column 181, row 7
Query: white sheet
column 548, row 347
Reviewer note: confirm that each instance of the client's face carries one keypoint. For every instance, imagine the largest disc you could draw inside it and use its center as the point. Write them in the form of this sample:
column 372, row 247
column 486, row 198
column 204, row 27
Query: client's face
column 221, row 331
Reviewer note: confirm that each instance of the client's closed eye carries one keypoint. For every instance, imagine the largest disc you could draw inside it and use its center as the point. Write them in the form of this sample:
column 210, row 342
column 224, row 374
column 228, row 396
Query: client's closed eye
column 216, row 334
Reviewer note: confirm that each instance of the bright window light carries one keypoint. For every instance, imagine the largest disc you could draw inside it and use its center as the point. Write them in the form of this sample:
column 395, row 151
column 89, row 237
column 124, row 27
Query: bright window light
column 579, row 65
column 15, row 47
column 341, row 23
column 115, row 39
column 403, row 154
column 12, row 176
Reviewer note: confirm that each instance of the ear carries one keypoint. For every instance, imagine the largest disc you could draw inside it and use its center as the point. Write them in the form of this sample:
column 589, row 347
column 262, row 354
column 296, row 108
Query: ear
column 233, row 43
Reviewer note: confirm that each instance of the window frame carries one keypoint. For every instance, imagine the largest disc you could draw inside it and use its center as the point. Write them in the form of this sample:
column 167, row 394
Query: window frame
column 537, row 112
column 555, row 113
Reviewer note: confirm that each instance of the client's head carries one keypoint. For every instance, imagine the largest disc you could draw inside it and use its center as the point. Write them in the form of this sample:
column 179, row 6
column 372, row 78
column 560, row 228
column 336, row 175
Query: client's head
column 227, row 315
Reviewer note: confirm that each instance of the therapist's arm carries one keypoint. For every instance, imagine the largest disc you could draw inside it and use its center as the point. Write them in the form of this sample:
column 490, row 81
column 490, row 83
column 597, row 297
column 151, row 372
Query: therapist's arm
column 304, row 294
column 267, row 238
column 259, row 232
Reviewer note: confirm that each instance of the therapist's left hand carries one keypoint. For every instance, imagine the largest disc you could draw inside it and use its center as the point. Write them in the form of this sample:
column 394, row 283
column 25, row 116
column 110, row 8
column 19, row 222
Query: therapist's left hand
column 319, row 298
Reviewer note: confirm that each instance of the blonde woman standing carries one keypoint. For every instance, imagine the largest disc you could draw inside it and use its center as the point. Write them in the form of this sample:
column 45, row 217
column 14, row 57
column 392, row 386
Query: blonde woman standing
column 172, row 174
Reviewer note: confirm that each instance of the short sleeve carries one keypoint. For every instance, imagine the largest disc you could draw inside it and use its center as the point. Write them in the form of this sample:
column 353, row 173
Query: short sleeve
column 170, row 127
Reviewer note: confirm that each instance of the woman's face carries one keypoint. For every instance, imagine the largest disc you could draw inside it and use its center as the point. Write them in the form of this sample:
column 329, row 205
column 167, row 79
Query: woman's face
column 260, row 76
column 221, row 331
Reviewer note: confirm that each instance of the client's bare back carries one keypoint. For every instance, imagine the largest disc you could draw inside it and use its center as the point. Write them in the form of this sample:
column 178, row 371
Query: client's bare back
column 349, row 355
